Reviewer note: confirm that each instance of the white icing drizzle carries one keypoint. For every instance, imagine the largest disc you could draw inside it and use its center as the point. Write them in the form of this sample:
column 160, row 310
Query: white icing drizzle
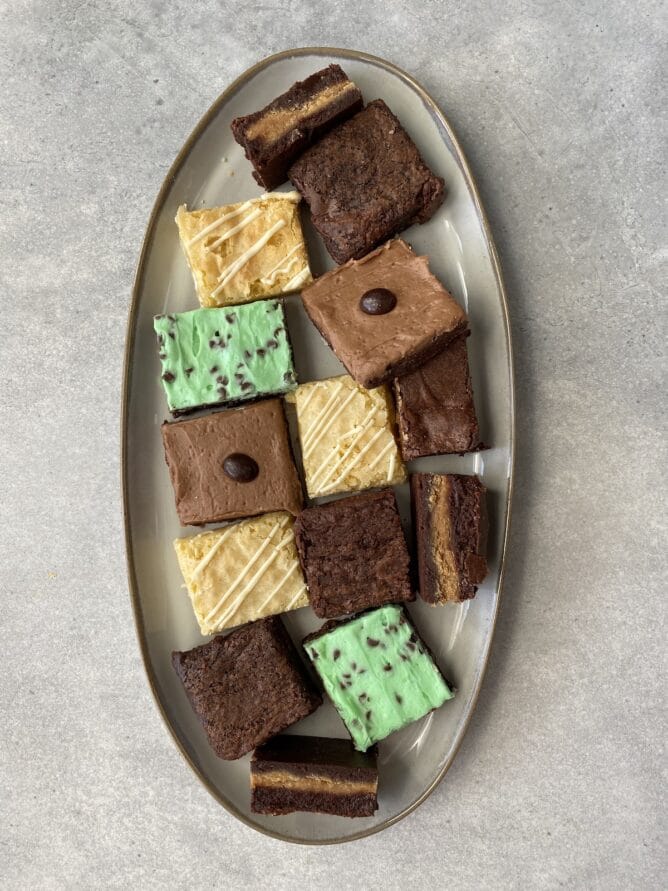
column 276, row 270
column 208, row 557
column 347, row 470
column 293, row 196
column 295, row 598
column 298, row 279
column 256, row 556
column 326, row 424
column 390, row 469
column 277, row 588
column 381, row 454
column 228, row 216
column 233, row 231
column 364, row 427
column 230, row 271
column 321, row 414
column 310, row 396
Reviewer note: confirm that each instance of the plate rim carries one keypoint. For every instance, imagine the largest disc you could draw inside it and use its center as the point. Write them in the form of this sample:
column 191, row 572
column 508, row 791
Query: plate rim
column 140, row 271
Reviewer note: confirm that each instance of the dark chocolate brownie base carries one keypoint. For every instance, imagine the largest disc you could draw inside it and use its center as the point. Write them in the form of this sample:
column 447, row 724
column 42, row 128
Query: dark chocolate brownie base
column 276, row 803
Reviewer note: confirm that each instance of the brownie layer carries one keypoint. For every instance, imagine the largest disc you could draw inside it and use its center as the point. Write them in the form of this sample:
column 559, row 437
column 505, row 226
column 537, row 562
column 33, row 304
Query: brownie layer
column 364, row 182
column 275, row 136
column 435, row 409
column 353, row 554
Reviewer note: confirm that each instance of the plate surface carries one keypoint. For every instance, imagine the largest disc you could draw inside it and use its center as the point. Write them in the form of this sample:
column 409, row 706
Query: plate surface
column 210, row 170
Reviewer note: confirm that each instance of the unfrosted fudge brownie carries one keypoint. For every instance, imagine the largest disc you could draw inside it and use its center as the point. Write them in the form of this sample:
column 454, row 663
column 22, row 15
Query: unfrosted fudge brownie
column 232, row 464
column 274, row 136
column 218, row 356
column 312, row 773
column 377, row 672
column 364, row 182
column 435, row 410
column 242, row 572
column 384, row 315
column 353, row 554
column 246, row 687
column 450, row 523
column 346, row 435
column 242, row 252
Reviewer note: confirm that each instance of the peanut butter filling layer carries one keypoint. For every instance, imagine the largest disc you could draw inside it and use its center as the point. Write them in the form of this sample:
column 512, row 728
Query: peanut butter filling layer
column 312, row 783
column 441, row 536
column 276, row 123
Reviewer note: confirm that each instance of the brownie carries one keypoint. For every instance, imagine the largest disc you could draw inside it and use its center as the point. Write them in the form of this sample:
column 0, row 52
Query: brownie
column 365, row 181
column 246, row 687
column 353, row 554
column 435, row 410
column 450, row 527
column 384, row 315
column 312, row 773
column 275, row 136
column 232, row 464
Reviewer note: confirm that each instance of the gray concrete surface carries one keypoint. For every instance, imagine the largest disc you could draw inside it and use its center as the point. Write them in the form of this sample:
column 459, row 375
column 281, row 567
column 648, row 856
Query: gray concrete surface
column 561, row 108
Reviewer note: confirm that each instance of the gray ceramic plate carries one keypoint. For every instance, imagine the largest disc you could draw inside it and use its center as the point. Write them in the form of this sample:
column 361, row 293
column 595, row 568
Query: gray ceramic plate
column 211, row 170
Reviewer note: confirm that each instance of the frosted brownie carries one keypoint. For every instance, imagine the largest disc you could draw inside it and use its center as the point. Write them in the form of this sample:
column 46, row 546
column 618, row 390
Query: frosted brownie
column 242, row 252
column 384, row 315
column 353, row 554
column 450, row 527
column 364, row 182
column 435, row 409
column 246, row 687
column 276, row 135
column 242, row 572
column 232, row 464
column 312, row 773
column 377, row 672
column 346, row 436
column 218, row 356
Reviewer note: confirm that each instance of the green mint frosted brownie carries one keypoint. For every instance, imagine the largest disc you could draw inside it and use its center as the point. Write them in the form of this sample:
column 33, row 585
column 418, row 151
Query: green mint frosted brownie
column 216, row 356
column 377, row 672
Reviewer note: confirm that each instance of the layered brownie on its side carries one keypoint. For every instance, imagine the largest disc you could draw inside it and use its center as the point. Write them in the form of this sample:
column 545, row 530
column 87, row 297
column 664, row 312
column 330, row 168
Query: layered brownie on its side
column 311, row 773
column 246, row 687
column 450, row 527
column 364, row 182
column 435, row 410
column 384, row 315
column 275, row 136
column 353, row 554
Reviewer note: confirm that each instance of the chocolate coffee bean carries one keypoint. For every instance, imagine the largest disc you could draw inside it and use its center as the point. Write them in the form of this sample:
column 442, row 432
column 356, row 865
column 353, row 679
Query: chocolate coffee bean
column 377, row 302
column 240, row 468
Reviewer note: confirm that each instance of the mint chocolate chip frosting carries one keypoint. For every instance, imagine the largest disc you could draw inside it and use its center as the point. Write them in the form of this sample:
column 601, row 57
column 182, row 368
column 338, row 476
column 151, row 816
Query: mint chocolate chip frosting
column 214, row 356
column 378, row 674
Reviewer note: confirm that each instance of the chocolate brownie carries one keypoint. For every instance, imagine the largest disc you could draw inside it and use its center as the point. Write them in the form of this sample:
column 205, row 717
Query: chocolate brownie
column 353, row 554
column 232, row 464
column 450, row 527
column 385, row 314
column 311, row 773
column 435, row 410
column 365, row 181
column 246, row 687
column 275, row 136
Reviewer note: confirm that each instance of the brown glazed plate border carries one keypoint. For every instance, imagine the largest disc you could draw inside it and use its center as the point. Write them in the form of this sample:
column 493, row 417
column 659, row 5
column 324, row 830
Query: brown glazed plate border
column 127, row 374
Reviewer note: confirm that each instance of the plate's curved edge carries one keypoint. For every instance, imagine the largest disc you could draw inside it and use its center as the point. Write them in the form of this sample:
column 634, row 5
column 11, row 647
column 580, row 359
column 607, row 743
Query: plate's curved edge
column 127, row 374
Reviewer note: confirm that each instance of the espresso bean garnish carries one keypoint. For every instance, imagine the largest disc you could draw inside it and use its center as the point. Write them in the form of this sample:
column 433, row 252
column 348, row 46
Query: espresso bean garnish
column 377, row 302
column 240, row 468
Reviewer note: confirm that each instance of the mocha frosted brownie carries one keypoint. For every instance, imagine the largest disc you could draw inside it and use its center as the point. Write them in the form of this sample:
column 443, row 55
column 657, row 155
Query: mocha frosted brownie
column 384, row 315
column 435, row 410
column 311, row 773
column 364, row 182
column 275, row 136
column 450, row 523
column 246, row 687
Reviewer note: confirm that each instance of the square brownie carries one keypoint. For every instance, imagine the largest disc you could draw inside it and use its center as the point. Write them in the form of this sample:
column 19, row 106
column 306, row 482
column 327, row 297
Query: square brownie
column 377, row 672
column 435, row 410
column 353, row 554
column 346, row 435
column 384, row 315
column 364, row 182
column 246, row 687
column 275, row 136
column 232, row 464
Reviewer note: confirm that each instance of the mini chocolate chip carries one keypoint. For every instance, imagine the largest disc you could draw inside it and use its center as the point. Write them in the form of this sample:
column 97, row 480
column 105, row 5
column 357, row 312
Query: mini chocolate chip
column 362, row 671
column 162, row 355
column 240, row 468
column 289, row 377
column 402, row 620
column 413, row 638
column 398, row 698
column 171, row 318
column 168, row 377
column 160, row 316
column 272, row 344
column 222, row 391
column 411, row 645
column 246, row 385
column 248, row 354
column 356, row 722
column 343, row 686
column 240, row 365
column 221, row 379
column 230, row 317
column 353, row 665
column 368, row 715
column 238, row 377
column 346, row 676
column 161, row 339
column 362, row 697
column 277, row 305
column 314, row 654
column 404, row 658
column 336, row 654
column 387, row 667
column 377, row 302
column 171, row 334
column 217, row 333
column 189, row 371
column 213, row 369
column 278, row 330
column 372, row 642
column 261, row 352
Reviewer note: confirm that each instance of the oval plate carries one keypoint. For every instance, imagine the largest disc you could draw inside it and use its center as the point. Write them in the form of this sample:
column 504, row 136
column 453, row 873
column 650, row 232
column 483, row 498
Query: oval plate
column 210, row 170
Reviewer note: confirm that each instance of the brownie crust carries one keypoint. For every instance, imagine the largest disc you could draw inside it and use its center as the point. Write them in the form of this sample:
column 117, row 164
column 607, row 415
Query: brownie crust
column 353, row 554
column 275, row 136
column 247, row 686
column 365, row 181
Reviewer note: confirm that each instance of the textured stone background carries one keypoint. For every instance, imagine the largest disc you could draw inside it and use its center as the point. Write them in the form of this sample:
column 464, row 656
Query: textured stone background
column 561, row 108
